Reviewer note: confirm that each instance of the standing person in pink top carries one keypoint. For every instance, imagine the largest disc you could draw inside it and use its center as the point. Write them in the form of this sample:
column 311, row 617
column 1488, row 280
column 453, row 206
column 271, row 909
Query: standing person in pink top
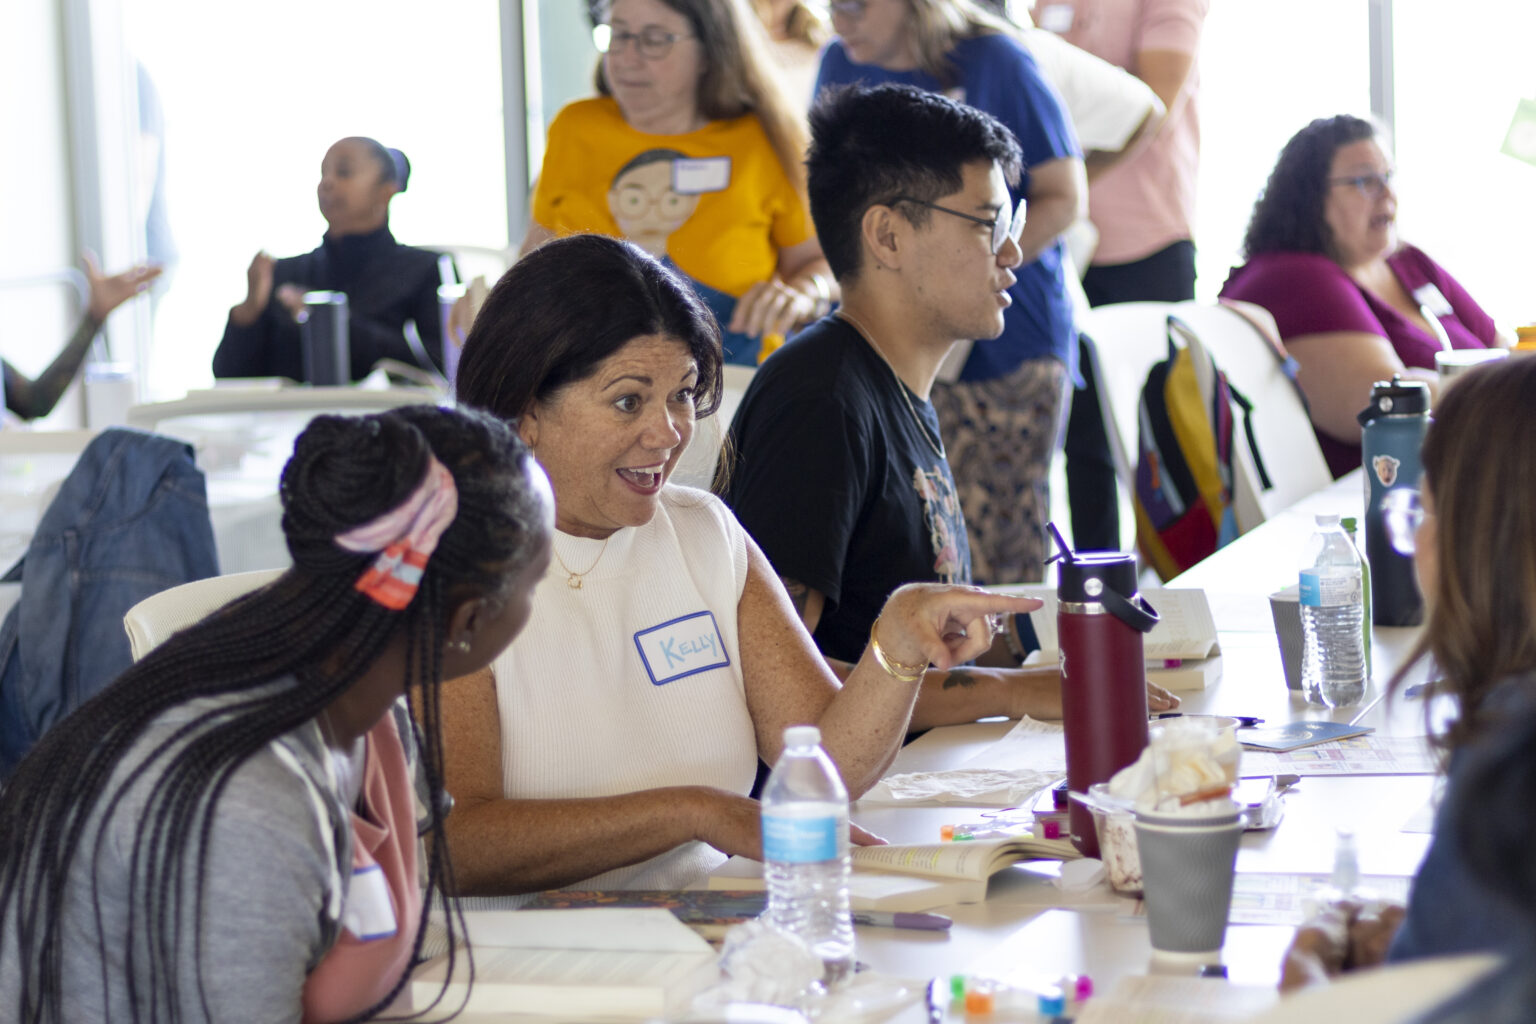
column 1354, row 304
column 1143, row 208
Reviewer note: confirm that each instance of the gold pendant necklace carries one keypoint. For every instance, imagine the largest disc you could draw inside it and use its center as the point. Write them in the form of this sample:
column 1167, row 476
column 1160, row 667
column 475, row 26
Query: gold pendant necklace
column 906, row 393
column 573, row 578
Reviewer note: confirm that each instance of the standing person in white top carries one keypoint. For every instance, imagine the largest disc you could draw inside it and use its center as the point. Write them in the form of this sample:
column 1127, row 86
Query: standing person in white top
column 616, row 744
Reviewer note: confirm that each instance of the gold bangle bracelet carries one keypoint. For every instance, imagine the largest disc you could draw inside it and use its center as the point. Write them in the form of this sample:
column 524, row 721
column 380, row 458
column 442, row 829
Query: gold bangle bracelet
column 893, row 668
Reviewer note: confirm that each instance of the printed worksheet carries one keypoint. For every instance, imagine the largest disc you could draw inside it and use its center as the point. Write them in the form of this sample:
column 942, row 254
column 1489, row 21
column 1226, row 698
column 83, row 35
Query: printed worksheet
column 1286, row 899
column 1029, row 745
column 1283, row 899
column 1359, row 755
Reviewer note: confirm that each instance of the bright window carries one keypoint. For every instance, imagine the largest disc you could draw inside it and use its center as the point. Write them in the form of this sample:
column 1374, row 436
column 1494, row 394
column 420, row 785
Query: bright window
column 254, row 94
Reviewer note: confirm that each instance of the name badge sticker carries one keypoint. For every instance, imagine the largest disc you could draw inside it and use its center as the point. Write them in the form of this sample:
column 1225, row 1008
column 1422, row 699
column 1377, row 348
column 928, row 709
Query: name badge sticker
column 681, row 647
column 1432, row 299
column 368, row 913
column 706, row 174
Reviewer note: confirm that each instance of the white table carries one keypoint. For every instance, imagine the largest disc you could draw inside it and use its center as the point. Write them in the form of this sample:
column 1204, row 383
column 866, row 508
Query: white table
column 1027, row 929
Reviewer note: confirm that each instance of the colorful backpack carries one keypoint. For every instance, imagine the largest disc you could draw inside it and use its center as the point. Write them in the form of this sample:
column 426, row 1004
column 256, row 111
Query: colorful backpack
column 1183, row 496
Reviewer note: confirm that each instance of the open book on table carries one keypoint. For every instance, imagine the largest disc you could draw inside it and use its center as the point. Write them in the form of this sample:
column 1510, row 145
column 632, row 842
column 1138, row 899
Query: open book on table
column 1181, row 651
column 919, row 877
column 579, row 964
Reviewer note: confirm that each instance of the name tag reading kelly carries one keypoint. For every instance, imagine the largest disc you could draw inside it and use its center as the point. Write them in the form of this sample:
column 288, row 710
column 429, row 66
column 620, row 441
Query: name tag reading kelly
column 1432, row 299
column 682, row 647
column 707, row 174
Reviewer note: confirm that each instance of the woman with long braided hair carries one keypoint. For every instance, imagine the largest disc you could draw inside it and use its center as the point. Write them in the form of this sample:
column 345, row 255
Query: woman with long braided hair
column 228, row 831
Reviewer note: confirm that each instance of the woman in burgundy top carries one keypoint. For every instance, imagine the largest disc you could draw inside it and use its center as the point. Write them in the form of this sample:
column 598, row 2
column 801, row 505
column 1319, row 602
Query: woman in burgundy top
column 1354, row 305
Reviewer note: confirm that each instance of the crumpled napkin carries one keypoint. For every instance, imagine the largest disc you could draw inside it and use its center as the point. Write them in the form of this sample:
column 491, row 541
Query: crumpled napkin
column 972, row 787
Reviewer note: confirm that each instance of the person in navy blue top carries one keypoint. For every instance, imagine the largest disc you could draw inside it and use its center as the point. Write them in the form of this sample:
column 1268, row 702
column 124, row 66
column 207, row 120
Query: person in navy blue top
column 1474, row 546
column 1001, row 414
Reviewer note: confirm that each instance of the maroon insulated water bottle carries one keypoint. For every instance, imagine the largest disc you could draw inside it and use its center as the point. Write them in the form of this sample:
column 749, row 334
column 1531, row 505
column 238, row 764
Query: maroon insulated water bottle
column 1100, row 621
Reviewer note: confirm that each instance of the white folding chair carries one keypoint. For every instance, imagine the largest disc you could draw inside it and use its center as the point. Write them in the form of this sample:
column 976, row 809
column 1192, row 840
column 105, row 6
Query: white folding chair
column 1234, row 336
column 1130, row 338
column 153, row 620
column 697, row 466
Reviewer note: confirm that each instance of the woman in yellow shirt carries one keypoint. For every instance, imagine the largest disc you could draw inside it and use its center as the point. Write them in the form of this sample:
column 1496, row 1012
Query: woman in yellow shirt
column 693, row 153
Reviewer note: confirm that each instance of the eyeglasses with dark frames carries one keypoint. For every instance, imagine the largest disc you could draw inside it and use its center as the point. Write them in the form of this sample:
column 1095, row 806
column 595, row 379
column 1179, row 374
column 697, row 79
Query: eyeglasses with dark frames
column 1003, row 226
column 654, row 42
column 1373, row 185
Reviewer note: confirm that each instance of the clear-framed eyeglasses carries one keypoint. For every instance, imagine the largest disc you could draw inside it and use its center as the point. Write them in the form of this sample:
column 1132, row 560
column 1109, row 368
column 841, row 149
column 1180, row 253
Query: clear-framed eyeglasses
column 1004, row 226
column 1373, row 185
column 654, row 42
column 1402, row 513
column 851, row 9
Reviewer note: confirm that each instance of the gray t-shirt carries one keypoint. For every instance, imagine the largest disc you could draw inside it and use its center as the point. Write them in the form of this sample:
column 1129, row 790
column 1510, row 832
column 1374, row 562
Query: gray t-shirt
column 271, row 897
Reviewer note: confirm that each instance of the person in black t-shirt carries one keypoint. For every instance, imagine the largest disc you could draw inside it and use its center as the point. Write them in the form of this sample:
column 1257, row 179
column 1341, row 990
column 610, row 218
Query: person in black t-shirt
column 840, row 474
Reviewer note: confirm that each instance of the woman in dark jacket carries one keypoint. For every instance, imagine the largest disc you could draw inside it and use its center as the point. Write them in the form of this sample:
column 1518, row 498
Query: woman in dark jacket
column 386, row 283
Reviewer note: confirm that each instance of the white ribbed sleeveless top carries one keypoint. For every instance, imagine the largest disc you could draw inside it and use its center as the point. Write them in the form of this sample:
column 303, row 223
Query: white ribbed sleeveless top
column 609, row 688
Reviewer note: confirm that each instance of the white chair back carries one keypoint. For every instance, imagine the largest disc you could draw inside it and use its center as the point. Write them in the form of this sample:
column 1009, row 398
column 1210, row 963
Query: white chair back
column 697, row 466
column 153, row 620
column 1281, row 427
column 1132, row 336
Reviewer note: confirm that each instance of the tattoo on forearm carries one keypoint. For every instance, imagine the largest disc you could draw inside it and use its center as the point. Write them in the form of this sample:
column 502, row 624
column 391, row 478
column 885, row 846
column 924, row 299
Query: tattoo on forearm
column 959, row 677
column 799, row 593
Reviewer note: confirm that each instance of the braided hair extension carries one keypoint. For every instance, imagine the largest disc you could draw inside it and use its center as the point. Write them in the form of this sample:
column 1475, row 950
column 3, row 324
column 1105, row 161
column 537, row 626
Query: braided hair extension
column 277, row 658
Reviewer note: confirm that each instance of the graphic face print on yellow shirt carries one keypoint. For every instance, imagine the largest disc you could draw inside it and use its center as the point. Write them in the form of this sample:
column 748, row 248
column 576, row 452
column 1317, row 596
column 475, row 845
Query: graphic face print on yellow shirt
column 645, row 203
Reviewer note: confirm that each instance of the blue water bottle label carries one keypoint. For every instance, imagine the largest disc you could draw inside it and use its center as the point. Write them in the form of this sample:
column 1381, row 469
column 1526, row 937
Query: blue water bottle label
column 799, row 840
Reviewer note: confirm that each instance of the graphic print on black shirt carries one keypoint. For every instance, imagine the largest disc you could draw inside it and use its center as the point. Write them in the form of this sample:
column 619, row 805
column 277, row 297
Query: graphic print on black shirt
column 838, row 485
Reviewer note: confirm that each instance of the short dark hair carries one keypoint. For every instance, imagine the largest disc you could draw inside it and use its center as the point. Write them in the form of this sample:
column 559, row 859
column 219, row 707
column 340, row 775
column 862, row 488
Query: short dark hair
column 1288, row 216
column 567, row 306
column 870, row 145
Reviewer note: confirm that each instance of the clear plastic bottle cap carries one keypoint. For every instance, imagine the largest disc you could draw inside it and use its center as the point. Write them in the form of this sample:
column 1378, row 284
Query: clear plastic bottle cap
column 1327, row 520
column 802, row 736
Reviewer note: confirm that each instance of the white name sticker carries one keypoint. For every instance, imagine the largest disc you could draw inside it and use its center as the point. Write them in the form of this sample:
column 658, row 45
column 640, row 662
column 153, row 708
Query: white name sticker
column 368, row 913
column 1432, row 299
column 682, row 647
column 707, row 174
column 1055, row 17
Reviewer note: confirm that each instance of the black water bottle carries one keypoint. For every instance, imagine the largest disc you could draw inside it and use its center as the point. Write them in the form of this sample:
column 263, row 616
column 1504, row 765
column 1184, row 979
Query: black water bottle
column 1392, row 431
column 323, row 339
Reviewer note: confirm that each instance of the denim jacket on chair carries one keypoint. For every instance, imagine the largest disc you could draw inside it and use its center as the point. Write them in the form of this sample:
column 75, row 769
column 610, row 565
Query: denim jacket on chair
column 130, row 520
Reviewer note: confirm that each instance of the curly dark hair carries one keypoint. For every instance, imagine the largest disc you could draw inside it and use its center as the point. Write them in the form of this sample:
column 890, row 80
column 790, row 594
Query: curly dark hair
column 1288, row 216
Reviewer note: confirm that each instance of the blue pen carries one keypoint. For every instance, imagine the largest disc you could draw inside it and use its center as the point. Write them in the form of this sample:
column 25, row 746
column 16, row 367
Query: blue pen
column 922, row 922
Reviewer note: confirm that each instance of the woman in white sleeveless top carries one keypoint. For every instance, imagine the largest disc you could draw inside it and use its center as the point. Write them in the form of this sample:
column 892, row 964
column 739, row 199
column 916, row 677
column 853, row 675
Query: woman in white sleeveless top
column 615, row 743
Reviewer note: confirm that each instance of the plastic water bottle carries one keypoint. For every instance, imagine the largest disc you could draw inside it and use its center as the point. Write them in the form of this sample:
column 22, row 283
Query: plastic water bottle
column 805, row 851
column 1332, row 618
